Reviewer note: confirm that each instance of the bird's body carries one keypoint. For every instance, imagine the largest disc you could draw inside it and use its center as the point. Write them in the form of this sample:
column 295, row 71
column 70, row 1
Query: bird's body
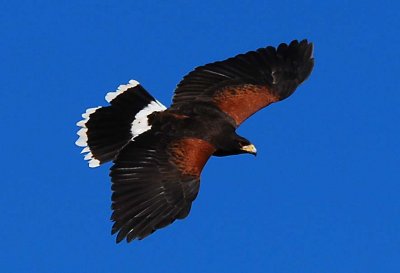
column 199, row 120
column 159, row 153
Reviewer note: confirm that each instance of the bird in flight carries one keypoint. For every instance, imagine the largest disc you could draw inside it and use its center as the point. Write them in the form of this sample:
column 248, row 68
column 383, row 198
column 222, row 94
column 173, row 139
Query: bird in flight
column 158, row 153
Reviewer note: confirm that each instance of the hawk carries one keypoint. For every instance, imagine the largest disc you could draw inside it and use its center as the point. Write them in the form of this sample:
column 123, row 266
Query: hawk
column 158, row 153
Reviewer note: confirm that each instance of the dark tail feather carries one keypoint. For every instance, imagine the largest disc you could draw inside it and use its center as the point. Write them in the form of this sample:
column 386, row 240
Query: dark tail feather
column 106, row 130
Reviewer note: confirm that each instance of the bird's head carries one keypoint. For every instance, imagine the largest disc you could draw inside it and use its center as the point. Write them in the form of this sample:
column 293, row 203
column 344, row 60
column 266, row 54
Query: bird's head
column 245, row 146
column 236, row 145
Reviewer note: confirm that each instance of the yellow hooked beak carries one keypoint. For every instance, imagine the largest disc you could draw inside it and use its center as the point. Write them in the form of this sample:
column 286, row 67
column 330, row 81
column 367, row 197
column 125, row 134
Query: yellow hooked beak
column 251, row 149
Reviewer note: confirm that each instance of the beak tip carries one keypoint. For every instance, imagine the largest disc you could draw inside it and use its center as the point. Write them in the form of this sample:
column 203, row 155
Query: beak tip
column 251, row 149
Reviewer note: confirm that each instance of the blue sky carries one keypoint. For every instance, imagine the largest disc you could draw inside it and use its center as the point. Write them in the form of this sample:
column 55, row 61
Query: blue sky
column 321, row 196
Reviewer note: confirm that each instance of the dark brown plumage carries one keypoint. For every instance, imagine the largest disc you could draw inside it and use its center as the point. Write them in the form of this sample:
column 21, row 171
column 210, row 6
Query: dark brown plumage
column 159, row 153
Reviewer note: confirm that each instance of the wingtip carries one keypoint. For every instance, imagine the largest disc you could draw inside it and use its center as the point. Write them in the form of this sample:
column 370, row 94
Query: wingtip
column 308, row 49
column 294, row 63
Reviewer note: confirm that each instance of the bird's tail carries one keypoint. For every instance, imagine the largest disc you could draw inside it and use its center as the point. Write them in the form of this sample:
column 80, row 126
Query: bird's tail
column 106, row 130
column 289, row 66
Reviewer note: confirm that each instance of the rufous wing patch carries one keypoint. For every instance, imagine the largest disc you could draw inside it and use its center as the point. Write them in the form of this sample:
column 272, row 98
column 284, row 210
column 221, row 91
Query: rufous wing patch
column 190, row 155
column 240, row 102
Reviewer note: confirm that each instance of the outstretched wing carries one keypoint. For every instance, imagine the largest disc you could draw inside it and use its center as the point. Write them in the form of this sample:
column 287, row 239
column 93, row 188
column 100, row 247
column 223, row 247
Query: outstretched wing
column 154, row 181
column 242, row 85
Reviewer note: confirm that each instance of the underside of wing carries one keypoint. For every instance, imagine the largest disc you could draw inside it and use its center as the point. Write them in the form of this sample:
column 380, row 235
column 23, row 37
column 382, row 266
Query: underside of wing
column 154, row 181
column 242, row 85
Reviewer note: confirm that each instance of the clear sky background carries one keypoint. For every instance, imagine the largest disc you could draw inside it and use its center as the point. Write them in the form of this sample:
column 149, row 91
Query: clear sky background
column 321, row 196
